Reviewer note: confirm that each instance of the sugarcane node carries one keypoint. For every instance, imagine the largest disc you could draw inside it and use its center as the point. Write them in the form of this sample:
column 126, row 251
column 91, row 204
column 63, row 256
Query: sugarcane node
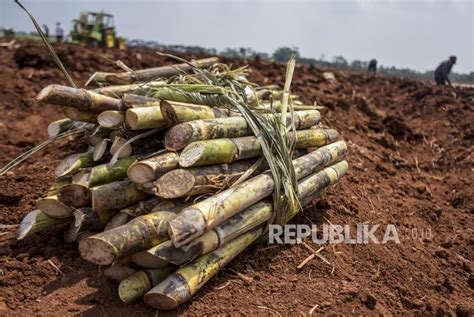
column 75, row 195
column 178, row 137
column 174, row 184
column 110, row 119
column 168, row 112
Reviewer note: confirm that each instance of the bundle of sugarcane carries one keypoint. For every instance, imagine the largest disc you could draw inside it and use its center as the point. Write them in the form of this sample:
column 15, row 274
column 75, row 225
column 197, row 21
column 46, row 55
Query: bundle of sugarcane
column 185, row 168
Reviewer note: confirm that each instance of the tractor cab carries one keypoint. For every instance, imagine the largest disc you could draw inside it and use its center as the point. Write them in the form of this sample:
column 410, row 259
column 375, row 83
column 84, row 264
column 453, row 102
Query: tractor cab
column 96, row 28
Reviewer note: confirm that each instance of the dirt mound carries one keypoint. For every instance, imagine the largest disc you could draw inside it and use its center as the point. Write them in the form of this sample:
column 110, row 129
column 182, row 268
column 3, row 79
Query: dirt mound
column 411, row 146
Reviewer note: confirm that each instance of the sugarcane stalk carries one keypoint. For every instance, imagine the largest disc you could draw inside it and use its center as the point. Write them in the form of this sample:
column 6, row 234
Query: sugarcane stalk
column 117, row 220
column 119, row 144
column 139, row 234
column 73, row 163
column 180, row 111
column 59, row 126
column 97, row 135
column 180, row 286
column 149, row 74
column 193, row 221
column 119, row 90
column 37, row 221
column 146, row 206
column 57, row 184
column 194, row 181
column 132, row 101
column 78, row 115
column 108, row 173
column 240, row 223
column 82, row 99
column 75, row 195
column 52, row 207
column 119, row 272
column 138, row 284
column 116, row 195
column 145, row 118
column 111, row 119
column 147, row 260
column 150, row 169
column 221, row 151
column 183, row 134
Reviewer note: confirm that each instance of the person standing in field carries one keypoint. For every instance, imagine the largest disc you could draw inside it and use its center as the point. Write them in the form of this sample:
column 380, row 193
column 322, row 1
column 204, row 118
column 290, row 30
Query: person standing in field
column 372, row 66
column 46, row 30
column 59, row 32
column 442, row 71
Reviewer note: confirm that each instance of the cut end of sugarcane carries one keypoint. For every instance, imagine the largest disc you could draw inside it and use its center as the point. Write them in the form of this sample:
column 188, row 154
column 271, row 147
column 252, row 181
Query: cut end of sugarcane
column 191, row 154
column 148, row 260
column 67, row 165
column 141, row 173
column 187, row 226
column 75, row 195
column 168, row 112
column 120, row 144
column 332, row 135
column 134, row 287
column 99, row 150
column 52, row 207
column 131, row 119
column 174, row 184
column 45, row 93
column 110, row 119
column 169, row 294
column 178, row 137
column 97, row 251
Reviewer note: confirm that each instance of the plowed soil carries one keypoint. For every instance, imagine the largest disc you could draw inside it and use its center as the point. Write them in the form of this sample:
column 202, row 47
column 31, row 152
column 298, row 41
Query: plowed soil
column 411, row 165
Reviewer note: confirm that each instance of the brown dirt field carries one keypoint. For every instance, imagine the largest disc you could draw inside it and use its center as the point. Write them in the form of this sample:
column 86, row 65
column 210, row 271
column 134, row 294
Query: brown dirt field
column 411, row 165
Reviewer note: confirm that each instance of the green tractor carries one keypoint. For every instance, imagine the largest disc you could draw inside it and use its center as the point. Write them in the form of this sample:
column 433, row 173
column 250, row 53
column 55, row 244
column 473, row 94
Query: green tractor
column 96, row 28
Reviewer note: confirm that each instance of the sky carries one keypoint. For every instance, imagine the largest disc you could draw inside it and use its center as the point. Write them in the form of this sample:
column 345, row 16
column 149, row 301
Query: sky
column 417, row 34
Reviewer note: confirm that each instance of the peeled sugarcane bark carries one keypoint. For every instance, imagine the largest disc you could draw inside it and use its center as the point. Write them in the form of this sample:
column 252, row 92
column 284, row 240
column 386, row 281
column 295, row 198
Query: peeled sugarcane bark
column 194, row 181
column 138, row 284
column 221, row 151
column 193, row 221
column 82, row 99
column 75, row 195
column 52, row 207
column 149, row 74
column 59, row 126
column 183, row 134
column 116, row 195
column 73, row 163
column 111, row 119
column 107, row 173
column 37, row 221
column 178, row 112
column 132, row 101
column 150, row 169
column 145, row 118
column 242, row 222
column 119, row 90
column 139, row 234
column 180, row 286
column 86, row 220
column 57, row 184
column 78, row 115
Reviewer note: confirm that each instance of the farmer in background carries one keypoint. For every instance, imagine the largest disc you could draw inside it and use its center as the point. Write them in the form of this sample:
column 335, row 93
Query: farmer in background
column 372, row 66
column 59, row 33
column 46, row 30
column 442, row 71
